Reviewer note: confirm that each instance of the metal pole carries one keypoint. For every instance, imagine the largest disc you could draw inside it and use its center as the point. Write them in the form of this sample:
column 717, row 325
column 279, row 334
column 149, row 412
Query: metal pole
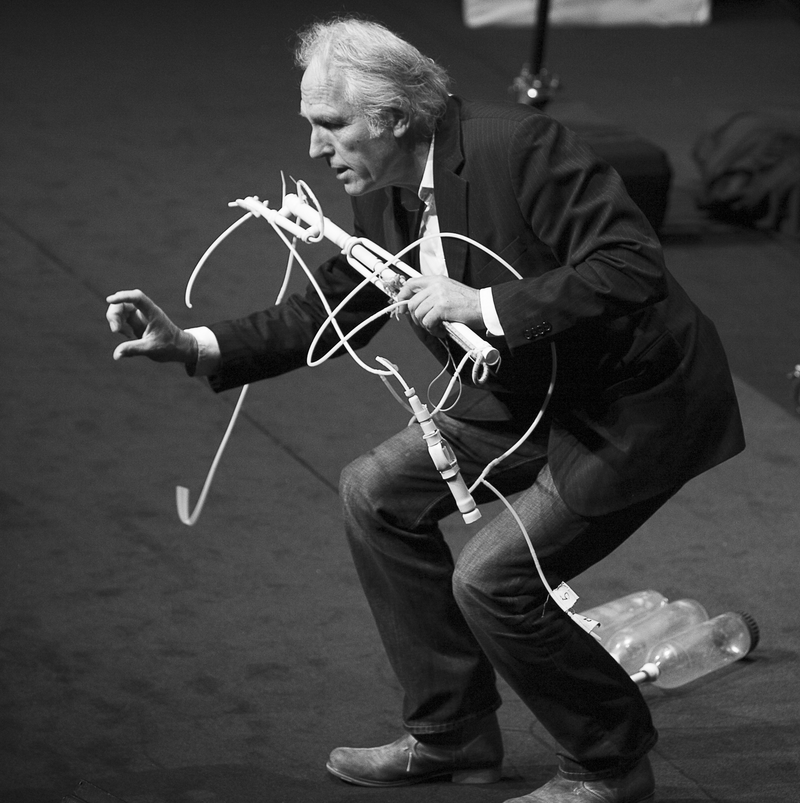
column 540, row 36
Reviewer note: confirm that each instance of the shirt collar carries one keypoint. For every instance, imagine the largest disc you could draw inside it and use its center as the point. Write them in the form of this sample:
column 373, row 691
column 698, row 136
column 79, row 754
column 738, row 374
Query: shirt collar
column 426, row 185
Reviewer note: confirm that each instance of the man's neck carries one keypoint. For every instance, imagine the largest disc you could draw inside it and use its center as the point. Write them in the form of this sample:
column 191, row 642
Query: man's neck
column 418, row 158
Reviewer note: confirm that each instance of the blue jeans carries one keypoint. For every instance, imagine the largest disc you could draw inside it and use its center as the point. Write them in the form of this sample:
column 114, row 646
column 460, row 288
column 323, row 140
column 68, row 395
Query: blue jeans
column 447, row 627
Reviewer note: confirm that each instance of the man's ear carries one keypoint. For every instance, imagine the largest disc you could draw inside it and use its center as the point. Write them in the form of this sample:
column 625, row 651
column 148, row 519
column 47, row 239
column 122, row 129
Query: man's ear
column 401, row 123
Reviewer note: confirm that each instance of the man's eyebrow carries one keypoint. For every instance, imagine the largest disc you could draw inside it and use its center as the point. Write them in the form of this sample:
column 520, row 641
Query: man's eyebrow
column 324, row 119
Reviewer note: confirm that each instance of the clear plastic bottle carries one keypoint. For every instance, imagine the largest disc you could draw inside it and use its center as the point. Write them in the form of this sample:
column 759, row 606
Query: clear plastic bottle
column 622, row 611
column 701, row 649
column 630, row 644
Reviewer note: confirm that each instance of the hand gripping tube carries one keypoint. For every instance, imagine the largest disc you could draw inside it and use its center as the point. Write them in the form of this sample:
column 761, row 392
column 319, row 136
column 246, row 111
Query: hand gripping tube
column 376, row 264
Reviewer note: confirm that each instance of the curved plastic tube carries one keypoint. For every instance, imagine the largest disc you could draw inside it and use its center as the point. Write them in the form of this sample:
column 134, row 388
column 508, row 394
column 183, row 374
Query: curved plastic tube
column 182, row 494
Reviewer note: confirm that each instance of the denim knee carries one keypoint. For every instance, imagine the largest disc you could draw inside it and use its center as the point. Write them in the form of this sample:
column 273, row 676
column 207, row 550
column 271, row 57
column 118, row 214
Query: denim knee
column 355, row 485
column 484, row 582
column 472, row 578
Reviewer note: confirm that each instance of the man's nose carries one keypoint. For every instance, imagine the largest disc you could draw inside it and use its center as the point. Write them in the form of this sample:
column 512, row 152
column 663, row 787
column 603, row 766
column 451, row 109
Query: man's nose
column 319, row 144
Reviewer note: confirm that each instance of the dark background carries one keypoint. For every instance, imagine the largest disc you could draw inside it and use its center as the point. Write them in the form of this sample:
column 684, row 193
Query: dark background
column 223, row 662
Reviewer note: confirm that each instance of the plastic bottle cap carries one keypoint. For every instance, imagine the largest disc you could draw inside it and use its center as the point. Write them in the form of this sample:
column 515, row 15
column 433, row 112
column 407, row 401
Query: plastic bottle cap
column 752, row 628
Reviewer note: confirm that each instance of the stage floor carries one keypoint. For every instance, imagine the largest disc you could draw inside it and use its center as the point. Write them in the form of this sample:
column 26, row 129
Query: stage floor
column 168, row 664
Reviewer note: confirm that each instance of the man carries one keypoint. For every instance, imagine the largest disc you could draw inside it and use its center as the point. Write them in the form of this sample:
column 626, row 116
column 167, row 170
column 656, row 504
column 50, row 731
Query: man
column 643, row 401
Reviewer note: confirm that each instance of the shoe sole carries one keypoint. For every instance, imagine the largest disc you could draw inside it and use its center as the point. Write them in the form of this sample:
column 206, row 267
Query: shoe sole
column 474, row 776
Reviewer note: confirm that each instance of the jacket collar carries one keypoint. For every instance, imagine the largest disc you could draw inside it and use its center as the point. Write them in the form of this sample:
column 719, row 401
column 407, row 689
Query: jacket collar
column 450, row 188
column 450, row 191
column 449, row 152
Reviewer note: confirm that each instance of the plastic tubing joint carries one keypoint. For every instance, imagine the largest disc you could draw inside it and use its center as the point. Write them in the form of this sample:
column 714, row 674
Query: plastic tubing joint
column 444, row 459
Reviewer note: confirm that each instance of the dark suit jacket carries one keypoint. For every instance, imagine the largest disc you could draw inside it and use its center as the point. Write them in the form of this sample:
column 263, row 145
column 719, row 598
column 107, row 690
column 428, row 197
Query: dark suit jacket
column 644, row 398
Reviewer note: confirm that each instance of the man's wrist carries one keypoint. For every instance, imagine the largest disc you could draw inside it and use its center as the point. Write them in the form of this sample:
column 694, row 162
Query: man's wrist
column 207, row 354
column 192, row 353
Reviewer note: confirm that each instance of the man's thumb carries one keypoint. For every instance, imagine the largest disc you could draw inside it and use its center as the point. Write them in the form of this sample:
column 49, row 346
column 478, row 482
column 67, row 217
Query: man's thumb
column 127, row 349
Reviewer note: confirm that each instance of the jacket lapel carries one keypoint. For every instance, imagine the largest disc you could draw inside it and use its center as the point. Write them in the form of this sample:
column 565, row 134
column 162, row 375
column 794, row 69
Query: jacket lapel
column 451, row 200
column 450, row 190
column 396, row 238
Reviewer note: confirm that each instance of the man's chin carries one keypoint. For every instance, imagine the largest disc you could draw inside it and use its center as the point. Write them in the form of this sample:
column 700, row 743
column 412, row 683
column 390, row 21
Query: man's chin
column 355, row 188
column 352, row 184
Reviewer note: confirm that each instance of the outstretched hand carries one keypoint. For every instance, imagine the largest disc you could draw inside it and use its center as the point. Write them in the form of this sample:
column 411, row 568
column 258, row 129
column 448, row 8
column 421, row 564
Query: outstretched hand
column 435, row 299
column 148, row 330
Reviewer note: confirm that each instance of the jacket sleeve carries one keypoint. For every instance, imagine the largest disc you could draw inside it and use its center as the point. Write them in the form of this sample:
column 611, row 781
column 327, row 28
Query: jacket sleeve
column 609, row 261
column 277, row 340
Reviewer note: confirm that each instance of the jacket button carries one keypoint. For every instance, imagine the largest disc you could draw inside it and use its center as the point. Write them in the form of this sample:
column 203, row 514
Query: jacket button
column 540, row 330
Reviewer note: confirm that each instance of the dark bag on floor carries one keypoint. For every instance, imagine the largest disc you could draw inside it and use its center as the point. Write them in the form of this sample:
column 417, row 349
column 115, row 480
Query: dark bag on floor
column 750, row 170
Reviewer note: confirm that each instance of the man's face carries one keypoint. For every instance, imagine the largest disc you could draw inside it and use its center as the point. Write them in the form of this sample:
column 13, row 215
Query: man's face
column 362, row 161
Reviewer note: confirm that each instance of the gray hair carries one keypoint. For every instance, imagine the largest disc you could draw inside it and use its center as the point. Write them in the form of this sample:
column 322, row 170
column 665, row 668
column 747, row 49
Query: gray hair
column 383, row 74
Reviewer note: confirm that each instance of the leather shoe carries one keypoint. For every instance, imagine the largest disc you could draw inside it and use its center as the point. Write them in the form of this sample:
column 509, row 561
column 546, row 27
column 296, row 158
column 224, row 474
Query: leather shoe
column 474, row 757
column 636, row 786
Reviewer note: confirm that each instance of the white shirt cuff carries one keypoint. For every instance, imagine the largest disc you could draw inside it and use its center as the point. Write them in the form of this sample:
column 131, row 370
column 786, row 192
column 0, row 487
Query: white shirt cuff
column 208, row 354
column 489, row 313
